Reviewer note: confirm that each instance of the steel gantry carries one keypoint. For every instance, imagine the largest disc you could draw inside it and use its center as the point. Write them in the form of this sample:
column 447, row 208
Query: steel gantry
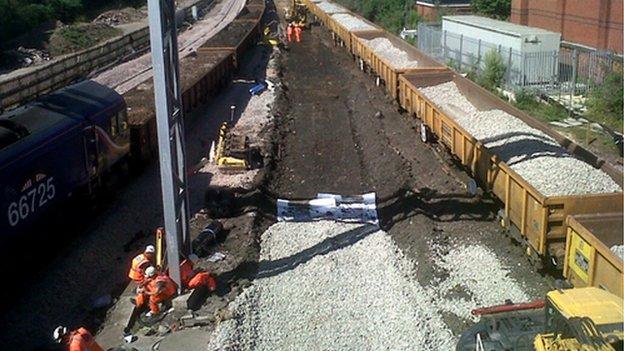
column 171, row 148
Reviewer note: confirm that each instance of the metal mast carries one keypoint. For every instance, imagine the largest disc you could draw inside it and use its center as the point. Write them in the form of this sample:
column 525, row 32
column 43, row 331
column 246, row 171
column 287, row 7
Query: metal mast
column 171, row 149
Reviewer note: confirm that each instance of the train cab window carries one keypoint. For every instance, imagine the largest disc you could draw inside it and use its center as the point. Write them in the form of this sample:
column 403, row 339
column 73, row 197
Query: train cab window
column 119, row 123
column 123, row 120
column 113, row 126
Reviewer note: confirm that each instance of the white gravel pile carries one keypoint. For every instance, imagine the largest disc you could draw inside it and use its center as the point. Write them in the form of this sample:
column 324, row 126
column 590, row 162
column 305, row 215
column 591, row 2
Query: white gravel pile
column 351, row 22
column 478, row 272
column 332, row 286
column 618, row 250
column 395, row 56
column 328, row 7
column 535, row 156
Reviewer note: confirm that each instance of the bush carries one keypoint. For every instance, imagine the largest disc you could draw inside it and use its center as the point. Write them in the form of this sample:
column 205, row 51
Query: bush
column 390, row 14
column 500, row 9
column 605, row 101
column 66, row 10
column 493, row 71
column 20, row 16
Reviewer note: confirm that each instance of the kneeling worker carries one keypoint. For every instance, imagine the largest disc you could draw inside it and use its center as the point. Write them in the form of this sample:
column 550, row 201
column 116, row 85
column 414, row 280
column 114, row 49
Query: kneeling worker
column 141, row 262
column 77, row 340
column 158, row 288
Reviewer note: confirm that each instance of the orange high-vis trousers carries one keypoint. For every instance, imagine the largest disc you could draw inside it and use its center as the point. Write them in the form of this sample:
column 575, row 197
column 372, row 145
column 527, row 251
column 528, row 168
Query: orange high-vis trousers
column 298, row 34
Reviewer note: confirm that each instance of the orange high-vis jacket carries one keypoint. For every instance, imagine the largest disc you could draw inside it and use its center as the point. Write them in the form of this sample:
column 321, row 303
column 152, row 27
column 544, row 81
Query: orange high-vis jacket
column 203, row 278
column 139, row 264
column 186, row 272
column 81, row 340
column 168, row 288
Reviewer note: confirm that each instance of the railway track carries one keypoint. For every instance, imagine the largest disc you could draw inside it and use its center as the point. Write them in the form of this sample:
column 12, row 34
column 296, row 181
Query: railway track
column 128, row 75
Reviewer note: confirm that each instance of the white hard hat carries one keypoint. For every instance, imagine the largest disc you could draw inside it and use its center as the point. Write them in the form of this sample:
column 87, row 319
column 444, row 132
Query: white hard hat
column 59, row 332
column 150, row 249
column 150, row 271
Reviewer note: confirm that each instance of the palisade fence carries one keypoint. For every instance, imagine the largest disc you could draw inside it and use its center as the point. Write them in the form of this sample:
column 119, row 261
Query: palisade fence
column 561, row 75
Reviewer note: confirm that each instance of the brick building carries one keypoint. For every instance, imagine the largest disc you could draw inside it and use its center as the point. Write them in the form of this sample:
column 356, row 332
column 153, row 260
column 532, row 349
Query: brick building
column 428, row 9
column 594, row 23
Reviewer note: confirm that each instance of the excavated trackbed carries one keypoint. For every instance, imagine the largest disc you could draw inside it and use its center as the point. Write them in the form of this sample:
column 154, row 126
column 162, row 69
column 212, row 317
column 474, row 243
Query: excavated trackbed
column 340, row 133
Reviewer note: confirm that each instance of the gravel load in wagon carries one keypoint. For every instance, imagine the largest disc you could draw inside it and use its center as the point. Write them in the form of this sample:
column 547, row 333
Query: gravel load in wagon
column 531, row 153
column 140, row 100
column 351, row 23
column 249, row 13
column 230, row 36
column 395, row 56
column 330, row 8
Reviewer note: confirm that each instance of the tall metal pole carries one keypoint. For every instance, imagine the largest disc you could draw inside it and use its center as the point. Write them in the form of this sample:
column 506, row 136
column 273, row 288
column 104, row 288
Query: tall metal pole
column 168, row 100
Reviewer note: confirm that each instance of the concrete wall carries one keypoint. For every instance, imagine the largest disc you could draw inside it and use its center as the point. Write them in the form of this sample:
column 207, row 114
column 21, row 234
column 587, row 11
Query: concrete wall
column 19, row 87
column 594, row 23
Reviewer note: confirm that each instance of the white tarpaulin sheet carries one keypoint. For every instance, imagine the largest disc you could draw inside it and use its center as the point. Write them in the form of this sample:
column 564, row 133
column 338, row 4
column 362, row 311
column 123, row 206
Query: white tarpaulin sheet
column 352, row 208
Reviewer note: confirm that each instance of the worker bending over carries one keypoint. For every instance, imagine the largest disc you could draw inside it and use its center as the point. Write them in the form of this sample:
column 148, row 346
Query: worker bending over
column 77, row 340
column 157, row 289
column 192, row 277
column 141, row 262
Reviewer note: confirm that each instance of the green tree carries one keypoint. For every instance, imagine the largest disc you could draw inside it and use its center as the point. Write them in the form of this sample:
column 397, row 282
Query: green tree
column 500, row 9
column 493, row 70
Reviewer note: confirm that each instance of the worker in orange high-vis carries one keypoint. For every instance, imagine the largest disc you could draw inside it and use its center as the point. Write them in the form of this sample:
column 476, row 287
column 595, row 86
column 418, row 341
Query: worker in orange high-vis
column 141, row 262
column 187, row 269
column 157, row 288
column 77, row 340
column 297, row 29
column 289, row 32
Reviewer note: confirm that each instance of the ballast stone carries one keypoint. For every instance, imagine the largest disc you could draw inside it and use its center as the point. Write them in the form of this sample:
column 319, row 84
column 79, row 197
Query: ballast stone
column 395, row 56
column 351, row 22
column 333, row 286
column 534, row 155
column 328, row 7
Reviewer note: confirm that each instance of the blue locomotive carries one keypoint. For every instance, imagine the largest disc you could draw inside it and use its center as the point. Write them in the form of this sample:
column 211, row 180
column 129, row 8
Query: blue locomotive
column 59, row 145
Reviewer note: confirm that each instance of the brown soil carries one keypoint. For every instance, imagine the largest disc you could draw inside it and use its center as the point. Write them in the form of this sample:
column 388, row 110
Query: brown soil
column 230, row 36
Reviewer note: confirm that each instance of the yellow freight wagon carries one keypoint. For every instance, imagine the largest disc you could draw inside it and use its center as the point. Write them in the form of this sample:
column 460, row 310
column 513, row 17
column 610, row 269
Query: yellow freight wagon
column 539, row 220
column 589, row 260
column 387, row 72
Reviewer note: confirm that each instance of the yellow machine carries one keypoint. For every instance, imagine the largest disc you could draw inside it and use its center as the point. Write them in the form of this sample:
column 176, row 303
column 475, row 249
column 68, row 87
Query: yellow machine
column 297, row 13
column 587, row 319
column 226, row 146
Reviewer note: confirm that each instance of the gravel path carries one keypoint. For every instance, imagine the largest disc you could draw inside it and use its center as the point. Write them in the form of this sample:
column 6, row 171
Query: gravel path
column 395, row 56
column 332, row 286
column 351, row 22
column 535, row 156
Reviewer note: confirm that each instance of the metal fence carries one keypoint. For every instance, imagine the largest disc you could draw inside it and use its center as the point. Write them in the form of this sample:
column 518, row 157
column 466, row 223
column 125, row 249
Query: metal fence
column 563, row 74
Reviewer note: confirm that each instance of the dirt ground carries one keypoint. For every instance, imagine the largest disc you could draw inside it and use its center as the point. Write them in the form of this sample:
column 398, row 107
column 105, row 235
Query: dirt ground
column 340, row 133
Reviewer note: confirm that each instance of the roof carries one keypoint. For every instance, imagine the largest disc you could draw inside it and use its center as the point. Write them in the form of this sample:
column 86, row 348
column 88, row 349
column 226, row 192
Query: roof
column 69, row 105
column 599, row 305
column 497, row 26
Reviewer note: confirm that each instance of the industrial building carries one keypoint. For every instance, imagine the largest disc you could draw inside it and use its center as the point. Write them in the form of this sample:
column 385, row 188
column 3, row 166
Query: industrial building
column 530, row 53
